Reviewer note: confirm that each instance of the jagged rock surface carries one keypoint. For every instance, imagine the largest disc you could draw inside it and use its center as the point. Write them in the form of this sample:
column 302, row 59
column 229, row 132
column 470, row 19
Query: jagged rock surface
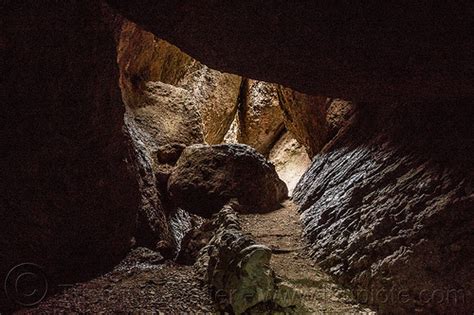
column 143, row 59
column 173, row 101
column 313, row 120
column 69, row 199
column 388, row 208
column 217, row 95
column 238, row 270
column 207, row 177
column 167, row 119
column 260, row 117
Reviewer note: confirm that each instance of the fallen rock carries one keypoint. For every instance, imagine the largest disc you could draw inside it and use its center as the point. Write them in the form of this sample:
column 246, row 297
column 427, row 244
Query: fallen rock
column 216, row 94
column 207, row 177
column 238, row 270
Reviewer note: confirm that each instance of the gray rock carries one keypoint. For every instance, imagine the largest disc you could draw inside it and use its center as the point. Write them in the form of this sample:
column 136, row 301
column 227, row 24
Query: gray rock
column 384, row 207
column 238, row 270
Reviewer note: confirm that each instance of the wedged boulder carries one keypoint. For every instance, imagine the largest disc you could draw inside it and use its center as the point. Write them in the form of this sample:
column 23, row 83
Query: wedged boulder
column 206, row 177
column 260, row 116
column 313, row 120
column 216, row 95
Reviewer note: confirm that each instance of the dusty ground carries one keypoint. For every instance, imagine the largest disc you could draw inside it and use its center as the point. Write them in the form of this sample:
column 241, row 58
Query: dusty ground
column 138, row 285
column 280, row 230
column 143, row 283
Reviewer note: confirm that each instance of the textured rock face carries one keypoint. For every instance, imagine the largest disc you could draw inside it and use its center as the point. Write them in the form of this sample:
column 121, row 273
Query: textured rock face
column 313, row 120
column 238, row 270
column 69, row 202
column 290, row 160
column 172, row 101
column 388, row 207
column 362, row 52
column 144, row 59
column 207, row 177
column 260, row 116
column 216, row 94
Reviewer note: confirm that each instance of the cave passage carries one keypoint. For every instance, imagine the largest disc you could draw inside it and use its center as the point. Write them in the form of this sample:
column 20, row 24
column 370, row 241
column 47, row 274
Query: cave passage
column 202, row 139
column 330, row 172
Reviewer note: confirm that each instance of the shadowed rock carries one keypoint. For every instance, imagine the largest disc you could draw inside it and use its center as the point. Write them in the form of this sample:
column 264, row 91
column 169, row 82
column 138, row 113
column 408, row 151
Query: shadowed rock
column 206, row 177
column 355, row 51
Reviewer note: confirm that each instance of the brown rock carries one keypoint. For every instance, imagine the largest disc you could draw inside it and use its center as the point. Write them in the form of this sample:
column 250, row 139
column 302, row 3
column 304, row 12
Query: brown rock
column 260, row 116
column 290, row 160
column 313, row 120
column 143, row 58
column 172, row 101
column 217, row 95
column 169, row 153
column 207, row 177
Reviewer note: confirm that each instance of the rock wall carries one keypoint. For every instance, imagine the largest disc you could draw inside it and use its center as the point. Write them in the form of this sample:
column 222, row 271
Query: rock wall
column 313, row 120
column 290, row 159
column 260, row 116
column 143, row 59
column 69, row 200
column 173, row 101
column 387, row 207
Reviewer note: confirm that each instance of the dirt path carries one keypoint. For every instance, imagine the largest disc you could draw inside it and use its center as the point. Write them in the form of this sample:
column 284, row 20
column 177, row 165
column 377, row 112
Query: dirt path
column 280, row 230
column 142, row 283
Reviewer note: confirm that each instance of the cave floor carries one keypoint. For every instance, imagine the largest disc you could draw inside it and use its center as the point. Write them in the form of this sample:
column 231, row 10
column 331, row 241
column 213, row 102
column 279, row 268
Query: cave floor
column 281, row 231
column 134, row 287
column 141, row 283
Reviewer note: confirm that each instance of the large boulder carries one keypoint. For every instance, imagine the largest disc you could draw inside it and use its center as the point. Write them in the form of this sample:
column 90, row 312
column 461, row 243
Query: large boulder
column 206, row 177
